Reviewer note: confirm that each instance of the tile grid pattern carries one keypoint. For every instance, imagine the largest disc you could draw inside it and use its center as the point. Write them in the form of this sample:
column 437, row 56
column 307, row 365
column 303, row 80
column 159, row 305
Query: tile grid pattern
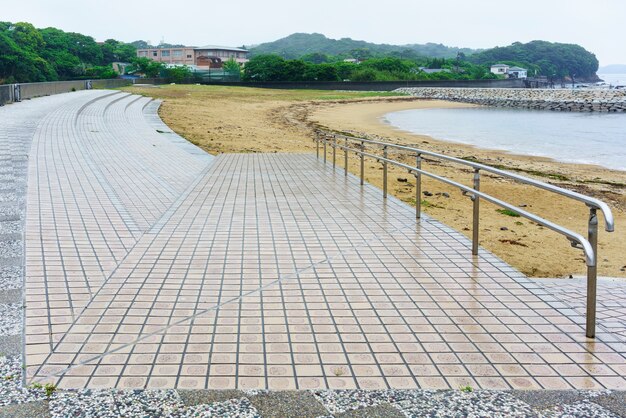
column 275, row 271
column 79, row 213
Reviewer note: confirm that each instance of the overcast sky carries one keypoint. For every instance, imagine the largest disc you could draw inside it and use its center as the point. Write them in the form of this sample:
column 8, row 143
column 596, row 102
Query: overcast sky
column 598, row 26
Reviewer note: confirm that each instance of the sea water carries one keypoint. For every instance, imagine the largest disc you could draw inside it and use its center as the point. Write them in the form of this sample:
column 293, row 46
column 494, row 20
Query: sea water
column 576, row 137
column 614, row 79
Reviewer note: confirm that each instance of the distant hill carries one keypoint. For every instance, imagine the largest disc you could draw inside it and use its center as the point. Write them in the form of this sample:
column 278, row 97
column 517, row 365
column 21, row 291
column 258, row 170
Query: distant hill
column 299, row 44
column 613, row 69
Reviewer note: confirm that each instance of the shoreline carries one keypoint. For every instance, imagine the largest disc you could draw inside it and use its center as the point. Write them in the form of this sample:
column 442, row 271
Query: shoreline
column 519, row 242
column 372, row 122
column 592, row 166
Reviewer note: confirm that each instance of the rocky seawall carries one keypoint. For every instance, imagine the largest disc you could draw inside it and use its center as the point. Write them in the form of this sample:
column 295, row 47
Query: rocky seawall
column 597, row 100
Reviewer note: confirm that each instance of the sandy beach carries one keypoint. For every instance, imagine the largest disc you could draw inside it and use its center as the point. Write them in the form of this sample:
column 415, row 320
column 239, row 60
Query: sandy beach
column 533, row 249
column 255, row 120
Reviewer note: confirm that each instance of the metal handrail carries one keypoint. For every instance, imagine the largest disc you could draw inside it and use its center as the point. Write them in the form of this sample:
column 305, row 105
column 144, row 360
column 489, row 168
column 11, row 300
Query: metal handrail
column 588, row 245
column 590, row 201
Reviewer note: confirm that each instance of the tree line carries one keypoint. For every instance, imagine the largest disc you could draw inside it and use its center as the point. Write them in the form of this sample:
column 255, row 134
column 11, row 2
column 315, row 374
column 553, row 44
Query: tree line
column 28, row 54
column 315, row 67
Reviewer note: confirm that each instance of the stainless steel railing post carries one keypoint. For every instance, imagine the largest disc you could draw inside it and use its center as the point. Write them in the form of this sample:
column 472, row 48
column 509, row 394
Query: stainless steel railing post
column 418, row 187
column 385, row 172
column 345, row 158
column 592, row 275
column 325, row 141
column 334, row 151
column 317, row 146
column 362, row 163
column 476, row 212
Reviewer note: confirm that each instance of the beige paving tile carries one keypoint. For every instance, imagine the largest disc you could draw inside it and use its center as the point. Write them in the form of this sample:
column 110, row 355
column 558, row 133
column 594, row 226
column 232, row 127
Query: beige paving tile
column 270, row 271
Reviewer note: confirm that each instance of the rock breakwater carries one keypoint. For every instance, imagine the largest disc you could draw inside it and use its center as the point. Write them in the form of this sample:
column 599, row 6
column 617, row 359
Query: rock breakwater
column 597, row 100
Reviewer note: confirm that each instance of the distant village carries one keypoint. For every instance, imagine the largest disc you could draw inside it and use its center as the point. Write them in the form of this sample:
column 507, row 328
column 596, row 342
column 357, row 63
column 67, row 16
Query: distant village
column 214, row 56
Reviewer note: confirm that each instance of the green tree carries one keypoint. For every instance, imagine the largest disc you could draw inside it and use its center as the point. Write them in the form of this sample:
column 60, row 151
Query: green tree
column 232, row 70
column 26, row 36
column 345, row 70
column 265, row 68
column 321, row 72
column 364, row 74
column 147, row 67
column 177, row 74
column 105, row 71
column 116, row 51
column 315, row 58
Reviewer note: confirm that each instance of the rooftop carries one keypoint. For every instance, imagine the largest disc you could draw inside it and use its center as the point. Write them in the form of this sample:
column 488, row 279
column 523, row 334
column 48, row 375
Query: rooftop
column 224, row 48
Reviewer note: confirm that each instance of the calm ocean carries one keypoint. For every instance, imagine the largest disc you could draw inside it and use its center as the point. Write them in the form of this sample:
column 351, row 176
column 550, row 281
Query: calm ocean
column 615, row 79
column 592, row 138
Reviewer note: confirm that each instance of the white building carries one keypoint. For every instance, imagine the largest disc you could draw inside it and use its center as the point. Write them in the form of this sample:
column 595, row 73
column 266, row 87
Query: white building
column 510, row 72
column 518, row 72
column 500, row 69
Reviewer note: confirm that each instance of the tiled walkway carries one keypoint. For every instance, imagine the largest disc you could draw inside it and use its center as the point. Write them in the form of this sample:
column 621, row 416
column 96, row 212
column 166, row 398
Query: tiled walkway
column 152, row 264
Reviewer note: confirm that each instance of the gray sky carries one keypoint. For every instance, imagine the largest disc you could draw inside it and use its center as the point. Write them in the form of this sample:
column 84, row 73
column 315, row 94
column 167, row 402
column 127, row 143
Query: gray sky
column 598, row 26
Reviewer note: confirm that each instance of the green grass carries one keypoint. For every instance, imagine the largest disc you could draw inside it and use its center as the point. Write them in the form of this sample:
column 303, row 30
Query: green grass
column 49, row 388
column 508, row 212
column 607, row 182
column 427, row 204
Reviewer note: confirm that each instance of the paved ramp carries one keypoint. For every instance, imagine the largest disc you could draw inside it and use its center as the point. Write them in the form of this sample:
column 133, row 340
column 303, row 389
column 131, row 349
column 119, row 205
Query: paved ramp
column 151, row 264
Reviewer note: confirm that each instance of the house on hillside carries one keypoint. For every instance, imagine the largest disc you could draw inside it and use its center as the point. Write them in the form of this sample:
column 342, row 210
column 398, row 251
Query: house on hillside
column 518, row 72
column 208, row 56
column 500, row 69
column 509, row 72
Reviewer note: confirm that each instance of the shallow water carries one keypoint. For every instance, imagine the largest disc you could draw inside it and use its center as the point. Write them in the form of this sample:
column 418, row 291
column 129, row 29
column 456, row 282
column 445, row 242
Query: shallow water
column 589, row 138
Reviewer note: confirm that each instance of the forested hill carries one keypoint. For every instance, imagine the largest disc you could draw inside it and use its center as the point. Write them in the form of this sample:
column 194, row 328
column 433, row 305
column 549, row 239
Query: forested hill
column 28, row 54
column 541, row 58
column 546, row 58
column 299, row 44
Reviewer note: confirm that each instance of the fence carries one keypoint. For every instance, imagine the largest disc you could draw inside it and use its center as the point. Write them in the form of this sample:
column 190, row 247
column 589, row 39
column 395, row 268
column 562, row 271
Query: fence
column 16, row 92
column 386, row 153
column 6, row 94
